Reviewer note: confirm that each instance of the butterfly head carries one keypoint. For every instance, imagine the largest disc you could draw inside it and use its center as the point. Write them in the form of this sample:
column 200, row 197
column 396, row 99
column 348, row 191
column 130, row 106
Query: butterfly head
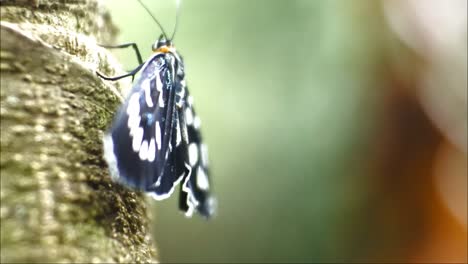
column 163, row 45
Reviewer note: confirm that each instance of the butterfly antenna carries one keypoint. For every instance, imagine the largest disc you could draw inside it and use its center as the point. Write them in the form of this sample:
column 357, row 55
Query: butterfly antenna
column 178, row 2
column 154, row 18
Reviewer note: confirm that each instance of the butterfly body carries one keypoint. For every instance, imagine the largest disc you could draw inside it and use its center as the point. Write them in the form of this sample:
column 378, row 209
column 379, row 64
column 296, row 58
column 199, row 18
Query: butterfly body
column 154, row 143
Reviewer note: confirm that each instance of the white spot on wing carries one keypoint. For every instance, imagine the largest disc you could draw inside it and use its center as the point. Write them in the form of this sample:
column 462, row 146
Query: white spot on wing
column 178, row 135
column 158, row 135
column 133, row 111
column 143, row 154
column 133, row 123
column 146, row 87
column 137, row 138
column 212, row 204
column 196, row 122
column 184, row 132
column 202, row 180
column 133, row 107
column 161, row 99
column 193, row 153
column 190, row 100
column 151, row 150
column 158, row 83
column 109, row 156
column 188, row 116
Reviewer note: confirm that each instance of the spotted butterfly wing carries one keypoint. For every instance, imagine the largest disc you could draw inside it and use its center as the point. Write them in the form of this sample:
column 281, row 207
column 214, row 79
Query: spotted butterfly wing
column 195, row 190
column 154, row 142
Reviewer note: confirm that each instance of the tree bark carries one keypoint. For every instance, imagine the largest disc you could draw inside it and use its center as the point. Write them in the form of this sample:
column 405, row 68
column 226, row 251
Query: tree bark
column 58, row 203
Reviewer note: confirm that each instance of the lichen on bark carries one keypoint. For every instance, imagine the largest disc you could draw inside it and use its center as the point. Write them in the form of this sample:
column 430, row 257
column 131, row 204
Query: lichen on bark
column 58, row 202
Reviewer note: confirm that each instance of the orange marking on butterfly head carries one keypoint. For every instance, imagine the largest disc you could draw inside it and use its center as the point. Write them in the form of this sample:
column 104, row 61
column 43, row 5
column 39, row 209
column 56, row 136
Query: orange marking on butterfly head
column 164, row 49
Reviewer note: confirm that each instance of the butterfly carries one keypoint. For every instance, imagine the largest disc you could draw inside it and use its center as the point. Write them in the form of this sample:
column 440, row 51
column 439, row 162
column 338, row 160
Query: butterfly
column 154, row 143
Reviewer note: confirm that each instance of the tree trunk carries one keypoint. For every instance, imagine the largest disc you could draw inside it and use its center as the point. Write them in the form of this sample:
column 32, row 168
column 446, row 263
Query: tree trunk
column 58, row 203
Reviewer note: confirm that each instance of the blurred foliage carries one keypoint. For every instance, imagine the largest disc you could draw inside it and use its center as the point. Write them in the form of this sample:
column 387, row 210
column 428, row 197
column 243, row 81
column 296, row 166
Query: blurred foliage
column 288, row 95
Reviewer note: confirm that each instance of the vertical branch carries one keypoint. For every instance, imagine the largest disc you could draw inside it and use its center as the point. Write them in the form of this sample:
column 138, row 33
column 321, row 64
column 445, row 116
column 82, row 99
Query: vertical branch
column 57, row 200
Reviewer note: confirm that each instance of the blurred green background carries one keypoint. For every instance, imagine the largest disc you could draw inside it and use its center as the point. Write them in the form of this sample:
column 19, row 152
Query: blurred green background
column 293, row 97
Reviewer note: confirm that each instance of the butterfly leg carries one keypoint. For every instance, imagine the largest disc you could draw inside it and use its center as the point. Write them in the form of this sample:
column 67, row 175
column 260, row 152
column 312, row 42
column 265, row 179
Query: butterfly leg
column 115, row 78
column 126, row 45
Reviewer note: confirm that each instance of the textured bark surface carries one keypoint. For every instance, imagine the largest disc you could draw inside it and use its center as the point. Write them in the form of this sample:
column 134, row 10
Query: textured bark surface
column 57, row 200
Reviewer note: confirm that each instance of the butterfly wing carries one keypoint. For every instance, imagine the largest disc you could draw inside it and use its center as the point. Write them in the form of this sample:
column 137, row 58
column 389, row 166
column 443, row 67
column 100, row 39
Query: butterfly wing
column 195, row 193
column 137, row 144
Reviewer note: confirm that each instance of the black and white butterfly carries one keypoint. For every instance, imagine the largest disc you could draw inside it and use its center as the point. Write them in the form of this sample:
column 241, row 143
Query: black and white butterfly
column 154, row 143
